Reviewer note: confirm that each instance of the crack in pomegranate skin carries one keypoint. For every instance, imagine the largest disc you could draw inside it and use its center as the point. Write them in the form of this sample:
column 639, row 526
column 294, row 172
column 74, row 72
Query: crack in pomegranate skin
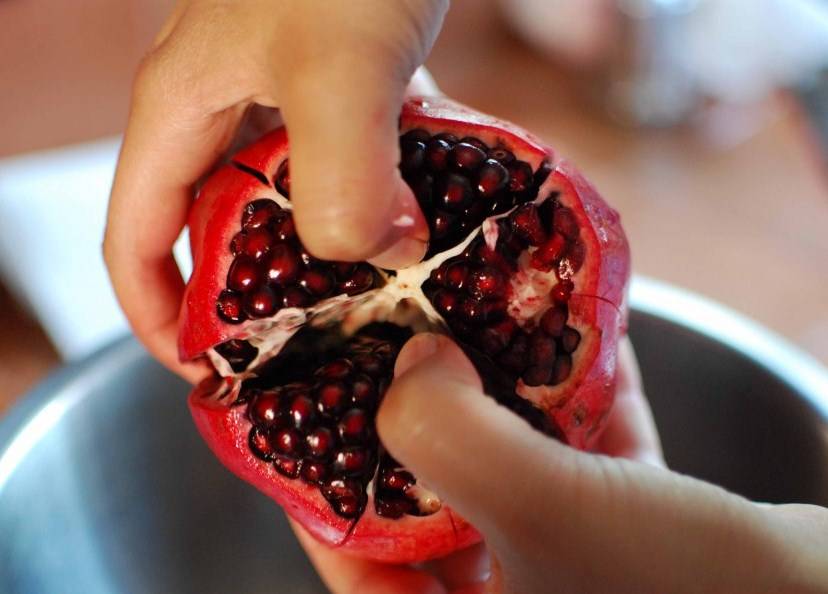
column 521, row 247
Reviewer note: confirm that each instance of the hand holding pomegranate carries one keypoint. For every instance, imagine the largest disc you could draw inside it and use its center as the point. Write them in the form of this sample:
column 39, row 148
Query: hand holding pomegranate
column 338, row 72
column 316, row 260
column 559, row 521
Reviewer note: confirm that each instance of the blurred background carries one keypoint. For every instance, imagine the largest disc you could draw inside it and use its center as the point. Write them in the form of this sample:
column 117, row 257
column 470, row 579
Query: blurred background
column 704, row 122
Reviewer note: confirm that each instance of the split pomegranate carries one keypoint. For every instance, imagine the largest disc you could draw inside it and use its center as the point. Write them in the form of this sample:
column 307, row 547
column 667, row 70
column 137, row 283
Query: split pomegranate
column 526, row 269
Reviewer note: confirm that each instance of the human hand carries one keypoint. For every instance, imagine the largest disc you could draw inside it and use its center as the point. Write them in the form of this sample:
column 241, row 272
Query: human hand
column 556, row 520
column 338, row 74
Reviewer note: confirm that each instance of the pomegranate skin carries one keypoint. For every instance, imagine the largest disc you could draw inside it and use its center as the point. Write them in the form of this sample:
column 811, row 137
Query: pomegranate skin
column 578, row 406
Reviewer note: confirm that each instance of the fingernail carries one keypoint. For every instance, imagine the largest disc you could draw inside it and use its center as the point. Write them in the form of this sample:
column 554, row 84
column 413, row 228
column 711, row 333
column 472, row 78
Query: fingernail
column 403, row 253
column 420, row 347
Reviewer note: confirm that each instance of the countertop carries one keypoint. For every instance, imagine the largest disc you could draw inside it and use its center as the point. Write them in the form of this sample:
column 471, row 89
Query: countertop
column 739, row 217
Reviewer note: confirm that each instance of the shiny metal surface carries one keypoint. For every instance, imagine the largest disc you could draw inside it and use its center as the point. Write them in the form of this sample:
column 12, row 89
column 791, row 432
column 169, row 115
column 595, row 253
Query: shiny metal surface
column 106, row 488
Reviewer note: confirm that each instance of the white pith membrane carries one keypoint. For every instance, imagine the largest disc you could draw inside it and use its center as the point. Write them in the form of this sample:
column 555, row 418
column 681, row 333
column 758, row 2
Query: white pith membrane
column 402, row 302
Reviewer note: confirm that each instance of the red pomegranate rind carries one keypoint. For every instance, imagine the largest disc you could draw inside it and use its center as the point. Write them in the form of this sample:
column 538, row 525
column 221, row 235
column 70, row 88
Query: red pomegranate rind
column 578, row 404
column 597, row 308
column 405, row 540
column 213, row 222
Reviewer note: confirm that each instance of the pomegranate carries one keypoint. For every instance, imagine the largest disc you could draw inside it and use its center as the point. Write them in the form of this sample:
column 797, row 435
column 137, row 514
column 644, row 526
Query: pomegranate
column 527, row 269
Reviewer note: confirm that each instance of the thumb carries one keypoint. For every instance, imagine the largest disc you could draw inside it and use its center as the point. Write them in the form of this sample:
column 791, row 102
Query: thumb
column 350, row 201
column 473, row 452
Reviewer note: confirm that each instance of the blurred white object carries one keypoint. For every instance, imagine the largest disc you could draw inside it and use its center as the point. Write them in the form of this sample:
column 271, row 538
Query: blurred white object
column 52, row 214
column 657, row 59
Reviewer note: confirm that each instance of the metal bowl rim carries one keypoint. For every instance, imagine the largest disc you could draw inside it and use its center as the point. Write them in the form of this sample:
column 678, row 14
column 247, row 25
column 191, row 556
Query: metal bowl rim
column 43, row 407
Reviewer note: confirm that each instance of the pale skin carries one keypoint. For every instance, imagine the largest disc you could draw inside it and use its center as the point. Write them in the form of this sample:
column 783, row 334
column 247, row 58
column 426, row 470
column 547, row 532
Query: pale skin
column 554, row 519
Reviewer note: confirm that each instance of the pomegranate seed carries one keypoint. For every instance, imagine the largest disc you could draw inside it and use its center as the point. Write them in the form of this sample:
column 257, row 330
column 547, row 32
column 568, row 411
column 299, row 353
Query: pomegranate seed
column 347, row 496
column 320, row 441
column 360, row 281
column 445, row 301
column 331, row 397
column 515, row 356
column 259, row 443
column 282, row 179
column 316, row 282
column 502, row 155
column 564, row 223
column 301, row 412
column 570, row 339
column 536, row 375
column 257, row 242
column 258, row 213
column 442, row 224
column 314, row 472
column 353, row 426
column 520, row 176
column 455, row 276
column 393, row 508
column 493, row 339
column 283, row 265
column 396, row 480
column 448, row 137
column 265, row 409
column 486, row 282
column 438, row 275
column 527, row 224
column 385, row 350
column 421, row 185
column 541, row 350
column 574, row 259
column 261, row 303
column 455, row 193
column 436, row 155
column 553, row 320
column 561, row 292
column 350, row 461
column 475, row 142
column 229, row 307
column 289, row 467
column 284, row 228
column 492, row 178
column 562, row 369
column 417, row 134
column 543, row 172
column 336, row 369
column 287, row 441
column 295, row 297
column 545, row 257
column 363, row 392
column 466, row 157
column 472, row 310
column 412, row 154
column 244, row 274
column 237, row 243
column 370, row 364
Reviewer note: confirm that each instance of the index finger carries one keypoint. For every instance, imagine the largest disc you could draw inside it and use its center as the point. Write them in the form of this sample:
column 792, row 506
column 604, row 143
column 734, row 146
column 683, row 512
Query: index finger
column 169, row 143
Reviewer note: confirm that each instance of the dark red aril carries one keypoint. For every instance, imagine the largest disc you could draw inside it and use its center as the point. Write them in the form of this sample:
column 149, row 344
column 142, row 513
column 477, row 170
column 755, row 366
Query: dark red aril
column 282, row 266
column 492, row 178
column 261, row 303
column 320, row 442
column 466, row 157
column 454, row 194
column 259, row 213
column 282, row 179
column 230, row 307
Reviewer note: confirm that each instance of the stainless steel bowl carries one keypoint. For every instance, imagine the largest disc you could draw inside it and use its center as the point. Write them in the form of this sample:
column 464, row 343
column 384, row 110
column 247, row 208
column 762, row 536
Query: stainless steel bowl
column 105, row 487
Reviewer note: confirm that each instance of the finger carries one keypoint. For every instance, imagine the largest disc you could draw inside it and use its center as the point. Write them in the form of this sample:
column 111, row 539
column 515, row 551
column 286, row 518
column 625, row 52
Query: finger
column 344, row 574
column 477, row 455
column 631, row 430
column 169, row 143
column 464, row 569
column 342, row 118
